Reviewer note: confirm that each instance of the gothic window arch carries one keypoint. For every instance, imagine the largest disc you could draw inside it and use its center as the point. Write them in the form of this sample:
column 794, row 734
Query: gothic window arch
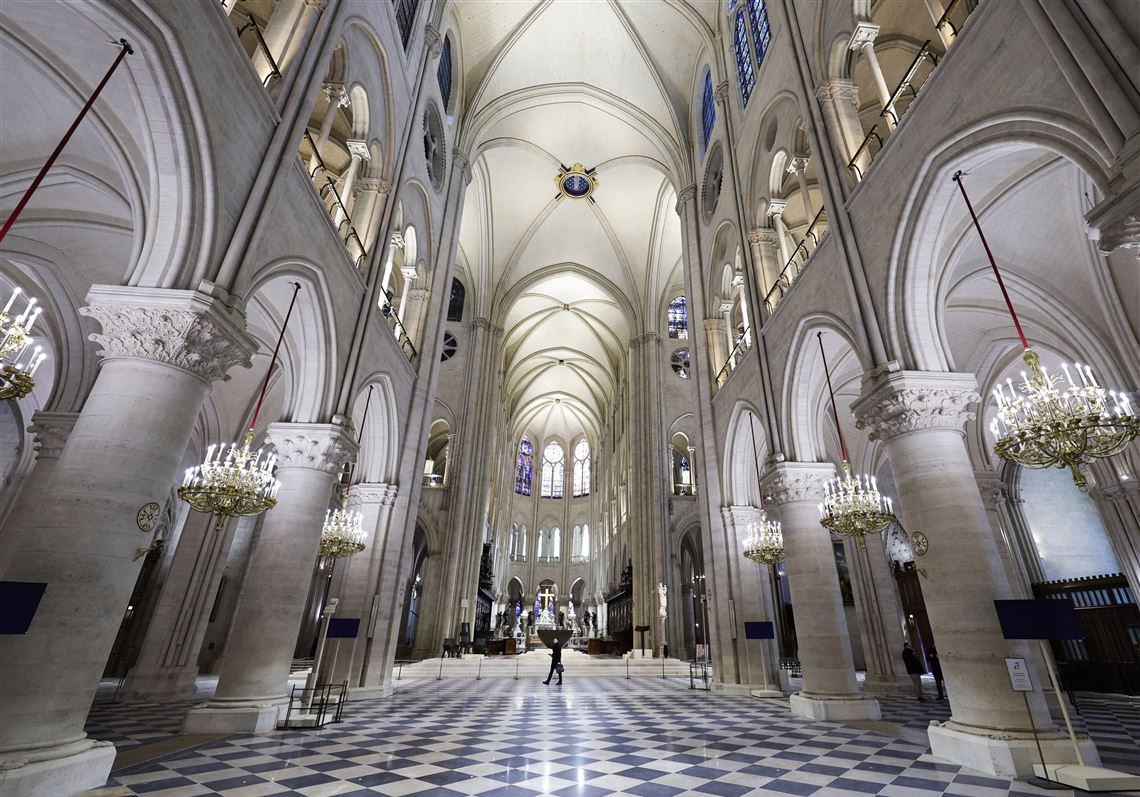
column 443, row 72
column 405, row 16
column 585, row 540
column 458, row 297
column 576, row 545
column 524, row 464
column 553, row 471
column 708, row 112
column 581, row 468
column 744, row 69
column 555, row 547
column 678, row 318
column 761, row 30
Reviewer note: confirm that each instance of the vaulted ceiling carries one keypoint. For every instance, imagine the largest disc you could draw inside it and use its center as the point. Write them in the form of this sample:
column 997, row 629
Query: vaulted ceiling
column 604, row 83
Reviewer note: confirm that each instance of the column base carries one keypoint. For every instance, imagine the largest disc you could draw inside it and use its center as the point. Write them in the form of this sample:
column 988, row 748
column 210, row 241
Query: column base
column 1002, row 753
column 370, row 692
column 889, row 685
column 835, row 708
column 57, row 777
column 160, row 687
column 238, row 716
column 747, row 690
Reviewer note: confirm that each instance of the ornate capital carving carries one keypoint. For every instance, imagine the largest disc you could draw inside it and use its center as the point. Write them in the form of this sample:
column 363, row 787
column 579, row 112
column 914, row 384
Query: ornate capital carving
column 314, row 446
column 461, row 162
column 909, row 401
column 337, row 94
column 1115, row 222
column 684, row 197
column 722, row 93
column 791, row 482
column 776, row 207
column 838, row 90
column 737, row 518
column 864, row 33
column 184, row 329
column 714, row 326
column 376, row 493
column 358, row 149
column 371, row 184
column 433, row 40
column 762, row 235
column 798, row 164
column 51, row 430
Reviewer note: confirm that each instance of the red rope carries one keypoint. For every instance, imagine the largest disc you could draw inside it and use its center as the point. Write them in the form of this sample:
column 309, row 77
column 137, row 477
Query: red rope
column 359, row 438
column 993, row 263
column 756, row 457
column 834, row 412
column 273, row 362
column 66, row 137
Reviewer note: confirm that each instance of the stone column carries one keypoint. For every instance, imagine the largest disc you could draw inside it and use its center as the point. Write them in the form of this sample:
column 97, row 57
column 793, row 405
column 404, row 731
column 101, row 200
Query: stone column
column 919, row 418
column 368, row 207
column 936, row 9
column 880, row 615
column 693, row 469
column 992, row 491
column 776, row 208
column 798, row 166
column 416, row 308
column 338, row 98
column 167, row 666
column 394, row 246
column 253, row 685
column 738, row 283
column 161, row 350
column 51, row 430
column 372, row 664
column 794, row 491
column 359, row 152
column 863, row 41
column 763, row 242
column 839, row 100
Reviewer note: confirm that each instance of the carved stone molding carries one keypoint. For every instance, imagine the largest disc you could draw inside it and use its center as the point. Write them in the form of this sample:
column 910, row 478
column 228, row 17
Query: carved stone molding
column 184, row 329
column 722, row 93
column 909, row 401
column 314, row 446
column 461, row 161
column 371, row 184
column 791, row 482
column 376, row 493
column 798, row 164
column 685, row 196
column 864, row 33
column 762, row 235
column 738, row 517
column 51, row 430
column 358, row 149
column 838, row 90
column 714, row 325
column 991, row 487
column 337, row 94
column 776, row 207
column 433, row 40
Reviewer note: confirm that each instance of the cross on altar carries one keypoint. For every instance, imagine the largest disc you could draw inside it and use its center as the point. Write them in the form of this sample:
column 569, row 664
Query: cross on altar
column 546, row 598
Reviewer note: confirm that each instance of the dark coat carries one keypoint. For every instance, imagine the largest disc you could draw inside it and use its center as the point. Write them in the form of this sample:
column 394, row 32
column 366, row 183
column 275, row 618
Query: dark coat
column 935, row 664
column 912, row 662
column 556, row 652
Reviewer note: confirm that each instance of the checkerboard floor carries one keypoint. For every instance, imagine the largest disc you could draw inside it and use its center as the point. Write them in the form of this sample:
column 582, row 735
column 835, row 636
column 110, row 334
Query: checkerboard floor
column 649, row 738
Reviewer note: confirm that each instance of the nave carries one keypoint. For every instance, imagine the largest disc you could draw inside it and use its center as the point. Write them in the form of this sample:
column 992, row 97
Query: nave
column 649, row 737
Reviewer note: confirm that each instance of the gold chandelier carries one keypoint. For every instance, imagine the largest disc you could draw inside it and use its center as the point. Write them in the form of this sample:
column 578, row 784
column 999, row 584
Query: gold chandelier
column 1057, row 421
column 240, row 484
column 853, row 505
column 343, row 532
column 20, row 360
column 765, row 541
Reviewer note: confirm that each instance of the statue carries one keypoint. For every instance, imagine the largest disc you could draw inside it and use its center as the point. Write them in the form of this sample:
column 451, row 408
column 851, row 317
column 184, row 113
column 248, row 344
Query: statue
column 661, row 613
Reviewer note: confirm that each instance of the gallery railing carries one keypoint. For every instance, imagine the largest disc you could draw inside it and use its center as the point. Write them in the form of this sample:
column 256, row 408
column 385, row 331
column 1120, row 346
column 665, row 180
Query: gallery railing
column 734, row 359
column 910, row 83
column 866, row 153
column 797, row 262
column 259, row 47
column 330, row 197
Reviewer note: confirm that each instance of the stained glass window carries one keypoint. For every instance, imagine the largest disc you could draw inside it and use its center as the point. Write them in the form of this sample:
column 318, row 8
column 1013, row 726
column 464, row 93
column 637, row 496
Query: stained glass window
column 679, row 318
column 458, row 296
column 523, row 466
column 585, row 540
column 553, row 471
column 708, row 110
column 581, row 468
column 761, row 30
column 555, row 543
column 680, row 363
column 443, row 72
column 405, row 16
column 743, row 57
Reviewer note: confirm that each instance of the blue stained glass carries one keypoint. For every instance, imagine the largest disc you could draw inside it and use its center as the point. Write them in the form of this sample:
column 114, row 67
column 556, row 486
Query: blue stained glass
column 576, row 185
column 761, row 30
column 679, row 318
column 443, row 72
column 523, row 465
column 743, row 58
column 708, row 109
column 458, row 296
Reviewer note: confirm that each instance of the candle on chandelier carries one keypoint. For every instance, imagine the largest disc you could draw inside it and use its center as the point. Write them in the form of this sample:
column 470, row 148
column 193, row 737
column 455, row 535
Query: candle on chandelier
column 12, row 299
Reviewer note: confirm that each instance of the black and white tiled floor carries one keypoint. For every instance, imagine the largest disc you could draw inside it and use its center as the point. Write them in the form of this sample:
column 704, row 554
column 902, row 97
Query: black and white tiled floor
column 649, row 738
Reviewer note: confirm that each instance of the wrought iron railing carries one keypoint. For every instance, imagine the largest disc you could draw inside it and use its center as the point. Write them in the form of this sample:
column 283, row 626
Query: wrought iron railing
column 866, row 153
column 259, row 46
column 957, row 10
column 734, row 358
column 894, row 107
column 327, row 191
column 433, row 480
column 798, row 261
column 579, row 559
column 549, row 560
column 517, row 557
column 398, row 329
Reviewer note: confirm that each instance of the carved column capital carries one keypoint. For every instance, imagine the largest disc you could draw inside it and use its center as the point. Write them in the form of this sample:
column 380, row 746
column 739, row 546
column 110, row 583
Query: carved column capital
column 792, row 482
column 908, row 401
column 714, row 326
column 798, row 164
column 51, row 430
column 685, row 196
column 183, row 329
column 374, row 184
column 376, row 493
column 337, row 94
column 762, row 235
column 358, row 149
column 838, row 90
column 433, row 40
column 461, row 161
column 1115, row 222
column 722, row 93
column 865, row 33
column 313, row 446
column 776, row 207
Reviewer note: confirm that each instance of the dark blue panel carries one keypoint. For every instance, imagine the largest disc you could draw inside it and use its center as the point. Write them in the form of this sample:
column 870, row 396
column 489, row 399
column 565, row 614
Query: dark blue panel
column 762, row 630
column 18, row 603
column 1038, row 619
column 344, row 627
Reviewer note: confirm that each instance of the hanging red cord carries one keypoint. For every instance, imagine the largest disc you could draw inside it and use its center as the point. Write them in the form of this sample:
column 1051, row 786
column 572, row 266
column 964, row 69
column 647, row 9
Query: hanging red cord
column 755, row 457
column 993, row 263
column 273, row 362
column 834, row 412
column 359, row 438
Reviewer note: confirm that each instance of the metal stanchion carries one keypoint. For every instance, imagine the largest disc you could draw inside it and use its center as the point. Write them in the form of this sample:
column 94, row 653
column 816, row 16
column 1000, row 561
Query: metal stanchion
column 479, row 673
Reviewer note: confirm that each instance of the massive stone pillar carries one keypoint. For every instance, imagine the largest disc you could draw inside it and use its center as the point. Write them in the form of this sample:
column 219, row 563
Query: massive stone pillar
column 253, row 685
column 919, row 419
column 161, row 351
column 830, row 692
column 759, row 662
column 51, row 430
column 880, row 615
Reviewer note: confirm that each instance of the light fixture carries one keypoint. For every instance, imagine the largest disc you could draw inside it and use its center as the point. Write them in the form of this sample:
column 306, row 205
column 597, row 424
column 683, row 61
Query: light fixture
column 765, row 541
column 240, row 483
column 343, row 532
column 852, row 506
column 1057, row 421
column 20, row 359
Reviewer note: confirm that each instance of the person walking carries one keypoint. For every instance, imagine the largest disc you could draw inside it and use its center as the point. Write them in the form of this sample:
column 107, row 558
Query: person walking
column 936, row 670
column 555, row 662
column 914, row 669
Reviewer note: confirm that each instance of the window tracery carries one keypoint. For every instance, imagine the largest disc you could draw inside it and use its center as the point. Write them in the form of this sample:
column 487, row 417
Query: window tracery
column 524, row 462
column 581, row 468
column 553, row 471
